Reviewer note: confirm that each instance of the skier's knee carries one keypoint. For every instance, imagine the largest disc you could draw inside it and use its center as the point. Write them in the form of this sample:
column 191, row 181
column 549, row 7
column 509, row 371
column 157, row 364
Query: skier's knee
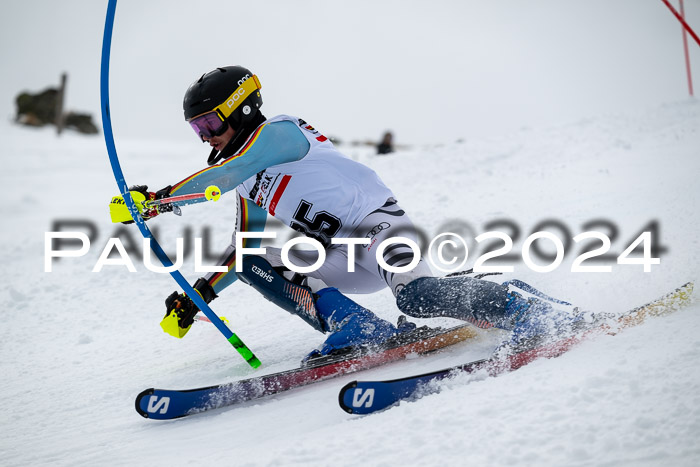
column 419, row 298
column 459, row 297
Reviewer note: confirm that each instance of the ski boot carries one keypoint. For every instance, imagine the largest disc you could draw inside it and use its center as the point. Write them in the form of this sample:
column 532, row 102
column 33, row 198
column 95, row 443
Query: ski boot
column 351, row 325
column 328, row 310
column 540, row 317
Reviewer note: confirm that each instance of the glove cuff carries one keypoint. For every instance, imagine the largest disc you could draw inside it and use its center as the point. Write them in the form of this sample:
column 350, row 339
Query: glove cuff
column 205, row 290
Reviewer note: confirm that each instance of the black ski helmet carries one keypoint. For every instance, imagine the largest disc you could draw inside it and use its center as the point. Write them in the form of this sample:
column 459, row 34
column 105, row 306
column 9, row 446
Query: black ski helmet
column 220, row 90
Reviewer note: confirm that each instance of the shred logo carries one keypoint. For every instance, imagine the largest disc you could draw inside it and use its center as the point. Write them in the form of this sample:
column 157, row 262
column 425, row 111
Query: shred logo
column 360, row 397
column 261, row 273
column 155, row 404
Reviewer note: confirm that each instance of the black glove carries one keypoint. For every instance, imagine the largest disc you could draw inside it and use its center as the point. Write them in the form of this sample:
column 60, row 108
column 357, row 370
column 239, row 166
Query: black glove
column 184, row 308
column 183, row 305
column 149, row 213
column 160, row 194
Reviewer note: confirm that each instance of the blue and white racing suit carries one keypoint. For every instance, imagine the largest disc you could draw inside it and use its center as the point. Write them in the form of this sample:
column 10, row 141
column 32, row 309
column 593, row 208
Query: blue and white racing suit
column 292, row 172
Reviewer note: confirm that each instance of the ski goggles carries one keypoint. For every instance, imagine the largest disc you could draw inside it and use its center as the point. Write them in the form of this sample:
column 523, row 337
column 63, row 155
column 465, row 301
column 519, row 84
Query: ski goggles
column 213, row 122
column 209, row 124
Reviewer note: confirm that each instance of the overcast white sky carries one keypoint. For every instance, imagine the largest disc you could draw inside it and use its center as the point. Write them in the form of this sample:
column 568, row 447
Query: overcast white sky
column 432, row 71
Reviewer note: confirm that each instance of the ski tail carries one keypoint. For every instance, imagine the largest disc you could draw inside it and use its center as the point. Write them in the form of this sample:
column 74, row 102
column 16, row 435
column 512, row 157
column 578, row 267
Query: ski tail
column 669, row 303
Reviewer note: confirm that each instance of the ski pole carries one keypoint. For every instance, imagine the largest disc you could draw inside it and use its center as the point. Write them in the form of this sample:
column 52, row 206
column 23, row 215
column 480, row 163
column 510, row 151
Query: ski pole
column 212, row 193
column 119, row 212
column 233, row 339
column 683, row 22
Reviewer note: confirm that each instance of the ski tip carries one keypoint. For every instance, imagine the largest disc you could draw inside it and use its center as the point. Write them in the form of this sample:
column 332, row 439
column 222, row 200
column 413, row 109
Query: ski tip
column 139, row 398
column 341, row 396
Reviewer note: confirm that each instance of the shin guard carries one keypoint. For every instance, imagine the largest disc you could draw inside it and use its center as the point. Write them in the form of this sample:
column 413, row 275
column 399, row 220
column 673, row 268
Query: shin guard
column 294, row 298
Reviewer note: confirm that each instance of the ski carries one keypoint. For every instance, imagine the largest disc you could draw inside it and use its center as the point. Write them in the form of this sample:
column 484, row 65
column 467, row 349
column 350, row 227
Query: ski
column 365, row 397
column 163, row 404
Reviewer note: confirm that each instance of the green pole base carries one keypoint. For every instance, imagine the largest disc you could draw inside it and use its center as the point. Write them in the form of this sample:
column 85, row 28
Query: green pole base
column 245, row 352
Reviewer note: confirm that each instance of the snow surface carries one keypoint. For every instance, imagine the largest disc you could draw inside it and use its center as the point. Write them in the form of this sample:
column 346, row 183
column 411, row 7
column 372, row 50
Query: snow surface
column 79, row 346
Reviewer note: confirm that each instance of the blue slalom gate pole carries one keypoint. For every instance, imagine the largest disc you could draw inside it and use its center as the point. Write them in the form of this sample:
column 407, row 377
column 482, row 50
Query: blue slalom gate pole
column 233, row 339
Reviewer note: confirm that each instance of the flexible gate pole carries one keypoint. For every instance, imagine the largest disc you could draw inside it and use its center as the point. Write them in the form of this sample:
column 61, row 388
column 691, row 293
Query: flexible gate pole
column 123, row 188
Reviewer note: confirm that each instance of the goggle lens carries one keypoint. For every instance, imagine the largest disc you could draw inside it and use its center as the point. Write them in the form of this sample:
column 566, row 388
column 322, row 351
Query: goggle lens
column 208, row 125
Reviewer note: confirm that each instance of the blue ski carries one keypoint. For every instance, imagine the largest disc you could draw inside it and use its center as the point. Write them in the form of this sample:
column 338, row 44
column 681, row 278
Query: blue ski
column 163, row 404
column 365, row 397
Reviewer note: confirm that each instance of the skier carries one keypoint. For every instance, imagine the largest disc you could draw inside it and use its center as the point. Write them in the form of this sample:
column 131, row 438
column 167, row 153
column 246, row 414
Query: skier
column 284, row 167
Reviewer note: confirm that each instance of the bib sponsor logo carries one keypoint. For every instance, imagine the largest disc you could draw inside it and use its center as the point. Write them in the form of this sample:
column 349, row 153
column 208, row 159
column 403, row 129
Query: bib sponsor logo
column 265, row 184
column 262, row 186
column 278, row 193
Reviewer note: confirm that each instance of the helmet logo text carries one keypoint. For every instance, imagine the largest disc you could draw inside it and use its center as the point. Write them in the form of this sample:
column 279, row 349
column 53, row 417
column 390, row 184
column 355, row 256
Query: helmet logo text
column 235, row 97
column 243, row 80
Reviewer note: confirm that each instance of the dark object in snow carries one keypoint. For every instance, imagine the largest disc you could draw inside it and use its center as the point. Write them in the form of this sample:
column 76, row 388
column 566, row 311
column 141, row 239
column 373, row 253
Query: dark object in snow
column 46, row 108
column 386, row 146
